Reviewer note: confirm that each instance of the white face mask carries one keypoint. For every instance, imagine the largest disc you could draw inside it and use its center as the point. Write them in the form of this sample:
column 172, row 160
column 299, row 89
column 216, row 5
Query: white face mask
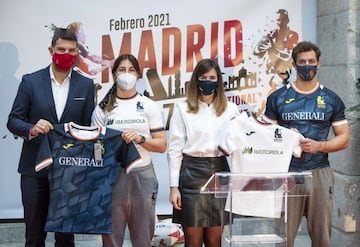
column 126, row 81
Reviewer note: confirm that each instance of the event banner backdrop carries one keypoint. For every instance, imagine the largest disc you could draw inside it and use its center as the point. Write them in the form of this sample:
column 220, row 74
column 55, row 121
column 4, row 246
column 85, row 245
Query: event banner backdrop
column 251, row 40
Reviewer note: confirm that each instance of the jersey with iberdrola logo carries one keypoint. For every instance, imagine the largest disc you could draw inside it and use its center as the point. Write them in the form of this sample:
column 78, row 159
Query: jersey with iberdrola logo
column 84, row 163
column 311, row 113
column 138, row 113
column 258, row 147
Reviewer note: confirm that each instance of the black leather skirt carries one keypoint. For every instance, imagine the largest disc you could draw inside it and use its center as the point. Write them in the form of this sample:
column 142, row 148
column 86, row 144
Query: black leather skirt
column 199, row 210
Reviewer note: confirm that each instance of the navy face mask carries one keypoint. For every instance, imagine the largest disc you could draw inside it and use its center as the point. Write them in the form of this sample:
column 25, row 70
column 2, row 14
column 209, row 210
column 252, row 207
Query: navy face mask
column 306, row 72
column 206, row 87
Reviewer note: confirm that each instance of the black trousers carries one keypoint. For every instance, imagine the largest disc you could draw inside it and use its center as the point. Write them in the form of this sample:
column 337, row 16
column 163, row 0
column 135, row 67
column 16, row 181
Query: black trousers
column 35, row 200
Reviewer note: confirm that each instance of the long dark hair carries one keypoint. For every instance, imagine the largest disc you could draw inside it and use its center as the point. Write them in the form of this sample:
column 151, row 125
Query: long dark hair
column 108, row 101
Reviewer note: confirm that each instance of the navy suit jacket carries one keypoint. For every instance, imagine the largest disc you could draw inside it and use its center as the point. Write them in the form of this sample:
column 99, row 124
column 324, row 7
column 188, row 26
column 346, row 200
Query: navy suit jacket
column 34, row 101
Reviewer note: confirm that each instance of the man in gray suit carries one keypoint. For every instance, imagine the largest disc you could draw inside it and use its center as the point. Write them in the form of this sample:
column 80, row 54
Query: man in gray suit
column 55, row 94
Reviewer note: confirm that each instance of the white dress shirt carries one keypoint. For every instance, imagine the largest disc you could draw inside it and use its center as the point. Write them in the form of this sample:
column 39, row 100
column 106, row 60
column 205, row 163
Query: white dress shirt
column 195, row 134
column 60, row 93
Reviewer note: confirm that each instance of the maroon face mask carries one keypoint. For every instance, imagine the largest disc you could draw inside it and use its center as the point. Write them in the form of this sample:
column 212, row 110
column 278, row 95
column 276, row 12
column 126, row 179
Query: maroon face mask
column 64, row 61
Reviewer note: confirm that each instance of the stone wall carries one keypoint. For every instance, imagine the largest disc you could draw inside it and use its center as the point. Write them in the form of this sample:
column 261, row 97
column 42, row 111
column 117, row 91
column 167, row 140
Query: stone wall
column 338, row 36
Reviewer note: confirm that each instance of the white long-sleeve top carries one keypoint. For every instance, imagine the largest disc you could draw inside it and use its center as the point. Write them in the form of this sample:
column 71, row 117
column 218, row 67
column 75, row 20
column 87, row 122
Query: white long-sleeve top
column 195, row 134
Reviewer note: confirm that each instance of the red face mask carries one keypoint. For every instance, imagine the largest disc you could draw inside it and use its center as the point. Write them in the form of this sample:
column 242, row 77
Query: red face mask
column 64, row 61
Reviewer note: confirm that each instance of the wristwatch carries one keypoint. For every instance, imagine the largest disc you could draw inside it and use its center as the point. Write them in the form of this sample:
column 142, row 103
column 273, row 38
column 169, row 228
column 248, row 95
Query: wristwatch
column 142, row 139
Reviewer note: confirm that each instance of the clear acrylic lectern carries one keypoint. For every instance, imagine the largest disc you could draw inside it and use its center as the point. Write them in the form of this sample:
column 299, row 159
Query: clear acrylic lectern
column 255, row 205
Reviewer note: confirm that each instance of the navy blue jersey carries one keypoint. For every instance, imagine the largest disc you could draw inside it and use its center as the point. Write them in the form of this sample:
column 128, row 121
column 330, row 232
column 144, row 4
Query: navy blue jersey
column 312, row 114
column 81, row 182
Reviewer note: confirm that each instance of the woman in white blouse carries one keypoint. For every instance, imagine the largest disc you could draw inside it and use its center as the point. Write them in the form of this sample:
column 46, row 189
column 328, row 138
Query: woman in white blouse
column 193, row 154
